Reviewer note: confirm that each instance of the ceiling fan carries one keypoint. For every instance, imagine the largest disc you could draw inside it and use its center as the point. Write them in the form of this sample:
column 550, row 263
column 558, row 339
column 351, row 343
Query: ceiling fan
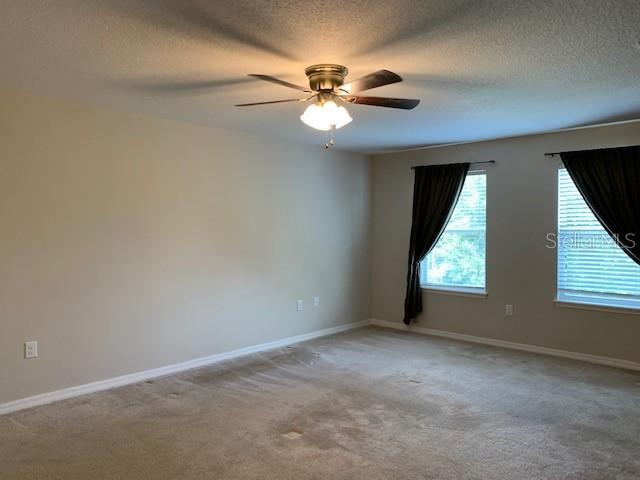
column 329, row 92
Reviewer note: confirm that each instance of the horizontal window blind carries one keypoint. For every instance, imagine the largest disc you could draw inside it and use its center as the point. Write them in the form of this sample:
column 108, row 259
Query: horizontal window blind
column 591, row 267
column 458, row 259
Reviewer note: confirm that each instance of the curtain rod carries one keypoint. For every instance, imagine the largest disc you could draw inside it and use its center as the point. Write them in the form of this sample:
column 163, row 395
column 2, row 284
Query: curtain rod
column 553, row 154
column 470, row 163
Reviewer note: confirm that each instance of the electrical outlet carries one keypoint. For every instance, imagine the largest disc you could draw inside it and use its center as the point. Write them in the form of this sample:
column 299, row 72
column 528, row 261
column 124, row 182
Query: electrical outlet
column 30, row 349
column 300, row 305
column 508, row 310
column 316, row 301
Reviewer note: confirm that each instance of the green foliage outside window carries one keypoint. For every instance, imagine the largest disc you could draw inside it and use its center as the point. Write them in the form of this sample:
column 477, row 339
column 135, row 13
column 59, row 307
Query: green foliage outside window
column 458, row 259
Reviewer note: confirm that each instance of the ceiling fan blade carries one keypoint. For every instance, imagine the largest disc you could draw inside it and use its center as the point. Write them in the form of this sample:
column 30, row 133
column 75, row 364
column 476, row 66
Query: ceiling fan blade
column 277, row 81
column 373, row 80
column 272, row 101
column 403, row 103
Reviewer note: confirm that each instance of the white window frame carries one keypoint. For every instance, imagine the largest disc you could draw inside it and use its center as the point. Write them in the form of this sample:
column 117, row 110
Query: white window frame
column 595, row 301
column 464, row 290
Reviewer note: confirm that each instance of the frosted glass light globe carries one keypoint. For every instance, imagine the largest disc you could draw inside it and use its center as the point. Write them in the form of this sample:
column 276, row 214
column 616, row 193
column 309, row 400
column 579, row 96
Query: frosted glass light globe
column 325, row 116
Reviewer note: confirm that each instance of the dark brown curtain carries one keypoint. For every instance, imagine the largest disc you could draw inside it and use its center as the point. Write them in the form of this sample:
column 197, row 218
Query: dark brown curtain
column 609, row 181
column 435, row 193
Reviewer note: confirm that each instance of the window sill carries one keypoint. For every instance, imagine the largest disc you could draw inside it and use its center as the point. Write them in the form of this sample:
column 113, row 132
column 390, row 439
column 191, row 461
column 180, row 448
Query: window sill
column 460, row 291
column 596, row 307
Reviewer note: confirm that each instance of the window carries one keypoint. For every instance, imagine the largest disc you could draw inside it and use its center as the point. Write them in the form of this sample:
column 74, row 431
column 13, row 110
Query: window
column 591, row 267
column 457, row 261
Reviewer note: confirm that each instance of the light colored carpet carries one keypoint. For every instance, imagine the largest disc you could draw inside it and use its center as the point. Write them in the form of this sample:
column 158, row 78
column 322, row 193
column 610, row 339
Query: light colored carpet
column 368, row 404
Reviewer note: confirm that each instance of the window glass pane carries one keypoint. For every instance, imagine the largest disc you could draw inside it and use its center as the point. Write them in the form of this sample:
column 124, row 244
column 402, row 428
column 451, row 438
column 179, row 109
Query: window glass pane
column 591, row 267
column 458, row 259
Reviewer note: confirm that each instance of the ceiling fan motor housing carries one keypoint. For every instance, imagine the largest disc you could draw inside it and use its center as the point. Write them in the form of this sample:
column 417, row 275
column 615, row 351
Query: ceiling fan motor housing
column 326, row 76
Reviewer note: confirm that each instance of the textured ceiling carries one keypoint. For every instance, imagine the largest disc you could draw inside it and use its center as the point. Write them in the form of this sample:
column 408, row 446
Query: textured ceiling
column 483, row 69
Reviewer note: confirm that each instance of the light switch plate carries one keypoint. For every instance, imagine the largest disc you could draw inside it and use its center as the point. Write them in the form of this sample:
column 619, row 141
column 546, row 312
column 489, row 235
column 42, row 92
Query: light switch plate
column 316, row 301
column 300, row 305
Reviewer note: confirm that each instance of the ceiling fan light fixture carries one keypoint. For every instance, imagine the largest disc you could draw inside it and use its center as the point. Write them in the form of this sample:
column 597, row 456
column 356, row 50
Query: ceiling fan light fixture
column 326, row 115
column 342, row 117
column 327, row 86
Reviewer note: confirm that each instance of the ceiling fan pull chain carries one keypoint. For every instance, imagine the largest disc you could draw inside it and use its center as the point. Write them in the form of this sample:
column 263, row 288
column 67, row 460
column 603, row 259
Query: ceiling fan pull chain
column 329, row 138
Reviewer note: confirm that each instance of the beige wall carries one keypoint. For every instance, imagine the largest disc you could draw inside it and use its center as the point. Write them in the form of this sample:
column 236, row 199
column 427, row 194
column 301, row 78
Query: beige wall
column 130, row 243
column 521, row 210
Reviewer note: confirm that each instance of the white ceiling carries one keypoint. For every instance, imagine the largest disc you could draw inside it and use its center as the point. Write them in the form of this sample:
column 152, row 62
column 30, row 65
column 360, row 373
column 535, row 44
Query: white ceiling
column 483, row 69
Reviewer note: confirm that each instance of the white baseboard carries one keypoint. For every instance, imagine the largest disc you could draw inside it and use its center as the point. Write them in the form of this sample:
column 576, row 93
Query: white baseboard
column 585, row 357
column 92, row 387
